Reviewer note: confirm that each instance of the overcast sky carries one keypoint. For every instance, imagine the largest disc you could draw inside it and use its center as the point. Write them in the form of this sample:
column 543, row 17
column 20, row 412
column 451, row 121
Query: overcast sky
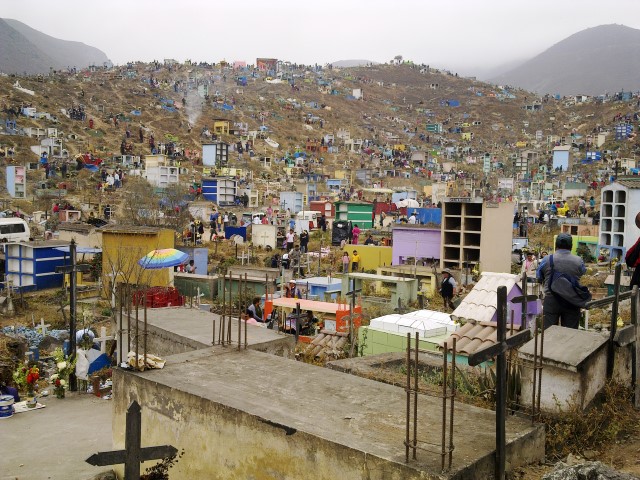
column 461, row 35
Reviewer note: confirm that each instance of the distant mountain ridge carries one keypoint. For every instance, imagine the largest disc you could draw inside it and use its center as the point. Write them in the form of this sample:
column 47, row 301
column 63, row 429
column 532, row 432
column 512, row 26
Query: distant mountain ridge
column 591, row 62
column 25, row 49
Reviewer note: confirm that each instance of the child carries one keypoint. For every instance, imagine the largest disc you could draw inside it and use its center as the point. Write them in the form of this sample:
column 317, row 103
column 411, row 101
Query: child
column 345, row 262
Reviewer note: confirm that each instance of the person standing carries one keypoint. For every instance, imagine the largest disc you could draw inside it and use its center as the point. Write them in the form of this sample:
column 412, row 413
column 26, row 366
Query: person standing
column 295, row 260
column 355, row 261
column 448, row 289
column 213, row 222
column 355, row 234
column 558, row 310
column 290, row 238
column 323, row 222
column 530, row 267
column 304, row 242
column 346, row 260
column 225, row 220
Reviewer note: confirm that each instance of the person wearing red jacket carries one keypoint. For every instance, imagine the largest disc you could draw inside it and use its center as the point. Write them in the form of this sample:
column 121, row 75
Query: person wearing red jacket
column 632, row 258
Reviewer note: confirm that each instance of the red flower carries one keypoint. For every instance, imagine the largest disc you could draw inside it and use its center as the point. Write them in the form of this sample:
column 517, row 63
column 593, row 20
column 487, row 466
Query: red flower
column 57, row 382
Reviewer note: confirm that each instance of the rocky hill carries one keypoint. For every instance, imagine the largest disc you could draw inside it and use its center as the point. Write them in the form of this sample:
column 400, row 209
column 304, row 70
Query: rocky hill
column 467, row 119
column 591, row 62
column 25, row 50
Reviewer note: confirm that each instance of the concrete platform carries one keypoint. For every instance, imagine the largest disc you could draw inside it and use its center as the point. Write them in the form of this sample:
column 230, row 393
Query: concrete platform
column 53, row 442
column 175, row 330
column 247, row 414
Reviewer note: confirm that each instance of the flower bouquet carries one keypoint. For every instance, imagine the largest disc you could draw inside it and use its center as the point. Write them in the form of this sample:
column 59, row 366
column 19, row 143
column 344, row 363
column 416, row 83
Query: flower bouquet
column 31, row 378
column 64, row 367
column 59, row 385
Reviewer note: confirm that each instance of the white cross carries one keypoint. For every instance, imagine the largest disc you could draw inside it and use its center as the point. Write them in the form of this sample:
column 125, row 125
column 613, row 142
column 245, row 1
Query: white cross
column 102, row 339
column 43, row 327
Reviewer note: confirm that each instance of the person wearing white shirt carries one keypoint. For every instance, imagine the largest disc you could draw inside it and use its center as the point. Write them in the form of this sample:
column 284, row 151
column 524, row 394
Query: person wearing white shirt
column 290, row 237
column 412, row 219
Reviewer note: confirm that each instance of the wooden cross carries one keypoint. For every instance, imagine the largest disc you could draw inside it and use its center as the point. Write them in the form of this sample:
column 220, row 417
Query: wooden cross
column 499, row 350
column 43, row 327
column 133, row 454
column 72, row 269
column 352, row 293
column 524, row 299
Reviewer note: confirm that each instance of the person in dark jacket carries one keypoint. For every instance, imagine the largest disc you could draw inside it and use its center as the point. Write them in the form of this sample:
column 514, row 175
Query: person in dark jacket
column 555, row 310
column 304, row 242
column 448, row 289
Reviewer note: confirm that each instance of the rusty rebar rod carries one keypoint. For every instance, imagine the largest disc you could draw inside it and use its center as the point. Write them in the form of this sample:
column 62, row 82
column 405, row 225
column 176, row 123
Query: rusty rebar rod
column 540, row 370
column 415, row 397
column 121, row 299
column 145, row 328
column 444, row 406
column 453, row 397
column 138, row 336
column 129, row 304
column 240, row 309
column 246, row 283
column 408, row 392
column 224, row 309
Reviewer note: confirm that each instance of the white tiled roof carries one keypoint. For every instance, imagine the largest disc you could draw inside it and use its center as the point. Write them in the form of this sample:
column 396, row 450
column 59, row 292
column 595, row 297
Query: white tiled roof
column 427, row 323
column 480, row 303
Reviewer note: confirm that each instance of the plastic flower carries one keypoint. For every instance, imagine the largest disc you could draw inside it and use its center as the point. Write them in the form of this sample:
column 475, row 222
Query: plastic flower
column 54, row 377
column 62, row 365
column 63, row 382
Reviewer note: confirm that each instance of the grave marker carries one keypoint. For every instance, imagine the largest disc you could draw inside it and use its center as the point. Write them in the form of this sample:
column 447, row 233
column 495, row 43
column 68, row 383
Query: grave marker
column 102, row 339
column 133, row 454
column 352, row 293
column 524, row 299
column 43, row 327
column 499, row 350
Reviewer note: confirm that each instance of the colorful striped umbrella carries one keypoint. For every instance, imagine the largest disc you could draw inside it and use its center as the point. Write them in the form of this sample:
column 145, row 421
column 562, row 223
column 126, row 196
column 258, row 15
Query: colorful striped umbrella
column 163, row 258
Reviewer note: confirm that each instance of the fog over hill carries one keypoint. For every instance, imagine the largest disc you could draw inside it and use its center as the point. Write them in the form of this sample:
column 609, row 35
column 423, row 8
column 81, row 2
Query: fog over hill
column 27, row 50
column 593, row 61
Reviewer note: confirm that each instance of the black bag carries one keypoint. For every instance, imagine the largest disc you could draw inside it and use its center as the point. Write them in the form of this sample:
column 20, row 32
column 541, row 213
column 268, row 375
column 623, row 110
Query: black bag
column 567, row 289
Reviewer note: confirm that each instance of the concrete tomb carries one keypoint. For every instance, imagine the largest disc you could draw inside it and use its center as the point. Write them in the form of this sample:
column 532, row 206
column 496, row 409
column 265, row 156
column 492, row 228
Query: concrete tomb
column 243, row 413
column 574, row 367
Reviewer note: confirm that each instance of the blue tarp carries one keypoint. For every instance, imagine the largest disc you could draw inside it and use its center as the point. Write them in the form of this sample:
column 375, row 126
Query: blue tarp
column 93, row 168
column 231, row 231
column 428, row 215
column 99, row 363
column 136, row 112
column 168, row 109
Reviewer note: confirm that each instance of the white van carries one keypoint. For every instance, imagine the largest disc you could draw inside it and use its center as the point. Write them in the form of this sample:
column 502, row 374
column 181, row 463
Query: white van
column 14, row 229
